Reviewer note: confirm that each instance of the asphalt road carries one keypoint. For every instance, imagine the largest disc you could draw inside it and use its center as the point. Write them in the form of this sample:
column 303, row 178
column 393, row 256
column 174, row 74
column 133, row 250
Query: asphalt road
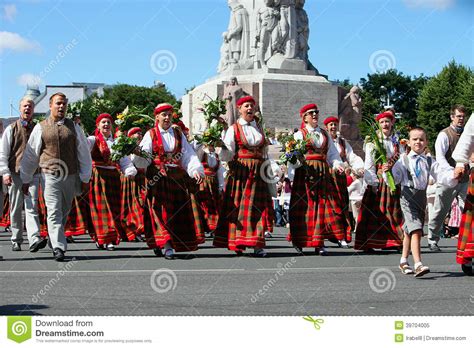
column 132, row 281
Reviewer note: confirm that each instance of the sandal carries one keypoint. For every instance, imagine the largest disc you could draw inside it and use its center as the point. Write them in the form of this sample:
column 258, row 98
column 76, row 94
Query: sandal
column 421, row 271
column 405, row 268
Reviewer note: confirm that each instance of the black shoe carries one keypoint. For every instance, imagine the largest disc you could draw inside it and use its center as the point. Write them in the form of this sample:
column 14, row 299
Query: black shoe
column 58, row 254
column 467, row 269
column 260, row 253
column 435, row 248
column 239, row 252
column 39, row 244
column 169, row 254
column 299, row 250
column 70, row 239
column 16, row 247
column 158, row 252
column 370, row 251
column 99, row 246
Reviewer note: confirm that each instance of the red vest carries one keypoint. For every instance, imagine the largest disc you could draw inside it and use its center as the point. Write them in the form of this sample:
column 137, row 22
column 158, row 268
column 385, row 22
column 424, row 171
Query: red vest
column 244, row 150
column 313, row 152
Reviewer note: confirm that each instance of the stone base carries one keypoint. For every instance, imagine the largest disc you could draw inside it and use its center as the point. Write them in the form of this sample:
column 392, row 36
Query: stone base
column 279, row 95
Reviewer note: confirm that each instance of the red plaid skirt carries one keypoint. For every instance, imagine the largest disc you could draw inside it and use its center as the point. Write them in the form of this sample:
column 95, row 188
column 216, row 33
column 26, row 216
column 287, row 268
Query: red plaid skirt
column 171, row 212
column 105, row 201
column 131, row 209
column 315, row 213
column 42, row 214
column 380, row 222
column 209, row 201
column 465, row 252
column 5, row 218
column 78, row 218
column 247, row 210
column 343, row 197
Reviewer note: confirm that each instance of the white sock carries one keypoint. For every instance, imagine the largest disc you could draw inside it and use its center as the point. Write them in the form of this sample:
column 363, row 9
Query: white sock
column 418, row 264
column 403, row 260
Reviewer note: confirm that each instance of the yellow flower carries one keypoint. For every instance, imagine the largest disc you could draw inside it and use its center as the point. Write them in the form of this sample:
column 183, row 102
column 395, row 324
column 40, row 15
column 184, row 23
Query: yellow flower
column 120, row 116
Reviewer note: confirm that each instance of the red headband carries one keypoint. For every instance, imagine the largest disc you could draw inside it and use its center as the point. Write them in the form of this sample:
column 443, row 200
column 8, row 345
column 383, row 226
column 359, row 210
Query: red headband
column 308, row 107
column 331, row 119
column 385, row 114
column 101, row 117
column 133, row 131
column 245, row 99
column 162, row 107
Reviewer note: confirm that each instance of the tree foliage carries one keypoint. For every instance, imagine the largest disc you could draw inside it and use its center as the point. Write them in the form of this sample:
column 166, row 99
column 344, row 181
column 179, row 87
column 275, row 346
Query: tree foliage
column 453, row 85
column 118, row 97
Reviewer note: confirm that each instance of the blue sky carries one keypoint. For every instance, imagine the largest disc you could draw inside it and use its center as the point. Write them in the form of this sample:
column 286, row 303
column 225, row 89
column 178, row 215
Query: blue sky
column 58, row 42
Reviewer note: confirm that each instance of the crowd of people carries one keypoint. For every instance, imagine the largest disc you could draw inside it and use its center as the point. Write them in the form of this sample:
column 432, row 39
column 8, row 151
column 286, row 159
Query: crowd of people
column 172, row 193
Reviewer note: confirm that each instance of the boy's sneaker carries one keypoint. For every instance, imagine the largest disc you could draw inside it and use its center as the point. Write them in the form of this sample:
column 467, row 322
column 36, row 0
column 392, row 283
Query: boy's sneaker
column 405, row 268
column 421, row 271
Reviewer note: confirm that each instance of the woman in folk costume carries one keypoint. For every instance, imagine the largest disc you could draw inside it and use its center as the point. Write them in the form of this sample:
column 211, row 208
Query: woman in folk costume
column 210, row 190
column 105, row 186
column 351, row 163
column 380, row 223
column 78, row 218
column 247, row 209
column 133, row 198
column 172, row 220
column 463, row 155
column 315, row 212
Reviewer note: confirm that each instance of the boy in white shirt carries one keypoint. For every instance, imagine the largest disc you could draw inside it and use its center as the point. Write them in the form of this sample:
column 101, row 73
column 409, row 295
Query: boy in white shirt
column 412, row 171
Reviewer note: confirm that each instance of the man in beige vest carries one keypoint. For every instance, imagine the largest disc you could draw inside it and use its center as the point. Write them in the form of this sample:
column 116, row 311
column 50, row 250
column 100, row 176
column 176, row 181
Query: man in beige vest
column 444, row 196
column 13, row 145
column 59, row 147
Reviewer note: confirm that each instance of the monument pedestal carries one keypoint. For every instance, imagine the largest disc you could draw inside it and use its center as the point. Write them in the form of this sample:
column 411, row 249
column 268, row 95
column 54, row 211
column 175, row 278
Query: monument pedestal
column 279, row 96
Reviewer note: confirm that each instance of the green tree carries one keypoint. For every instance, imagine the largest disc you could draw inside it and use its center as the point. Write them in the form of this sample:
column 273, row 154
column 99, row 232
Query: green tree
column 118, row 97
column 453, row 85
column 402, row 90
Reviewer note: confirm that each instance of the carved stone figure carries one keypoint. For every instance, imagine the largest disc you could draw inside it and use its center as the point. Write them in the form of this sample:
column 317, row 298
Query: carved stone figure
column 238, row 32
column 288, row 27
column 232, row 92
column 302, row 29
column 351, row 114
column 268, row 33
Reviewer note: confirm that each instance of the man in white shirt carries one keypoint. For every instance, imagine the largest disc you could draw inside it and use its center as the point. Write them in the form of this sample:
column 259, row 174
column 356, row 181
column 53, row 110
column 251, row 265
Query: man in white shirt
column 59, row 147
column 12, row 147
column 444, row 147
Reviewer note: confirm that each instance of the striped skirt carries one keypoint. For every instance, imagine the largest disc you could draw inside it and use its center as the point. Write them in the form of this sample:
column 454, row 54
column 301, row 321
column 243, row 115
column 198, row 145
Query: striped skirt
column 42, row 214
column 343, row 197
column 78, row 218
column 247, row 209
column 315, row 213
column 5, row 217
column 171, row 212
column 465, row 251
column 380, row 223
column 105, row 202
column 209, row 201
column 131, row 208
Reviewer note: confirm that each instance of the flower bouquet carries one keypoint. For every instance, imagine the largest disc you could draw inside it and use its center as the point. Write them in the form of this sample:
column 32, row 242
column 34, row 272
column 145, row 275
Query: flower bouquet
column 123, row 145
column 293, row 151
column 379, row 152
column 212, row 111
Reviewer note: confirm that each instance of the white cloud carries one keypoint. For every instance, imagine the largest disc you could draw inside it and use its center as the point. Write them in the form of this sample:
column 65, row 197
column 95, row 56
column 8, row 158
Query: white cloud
column 9, row 12
column 29, row 80
column 14, row 42
column 435, row 4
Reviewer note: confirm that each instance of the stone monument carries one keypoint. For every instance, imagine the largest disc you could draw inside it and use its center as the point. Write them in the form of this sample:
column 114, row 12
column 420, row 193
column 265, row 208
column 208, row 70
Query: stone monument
column 265, row 48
